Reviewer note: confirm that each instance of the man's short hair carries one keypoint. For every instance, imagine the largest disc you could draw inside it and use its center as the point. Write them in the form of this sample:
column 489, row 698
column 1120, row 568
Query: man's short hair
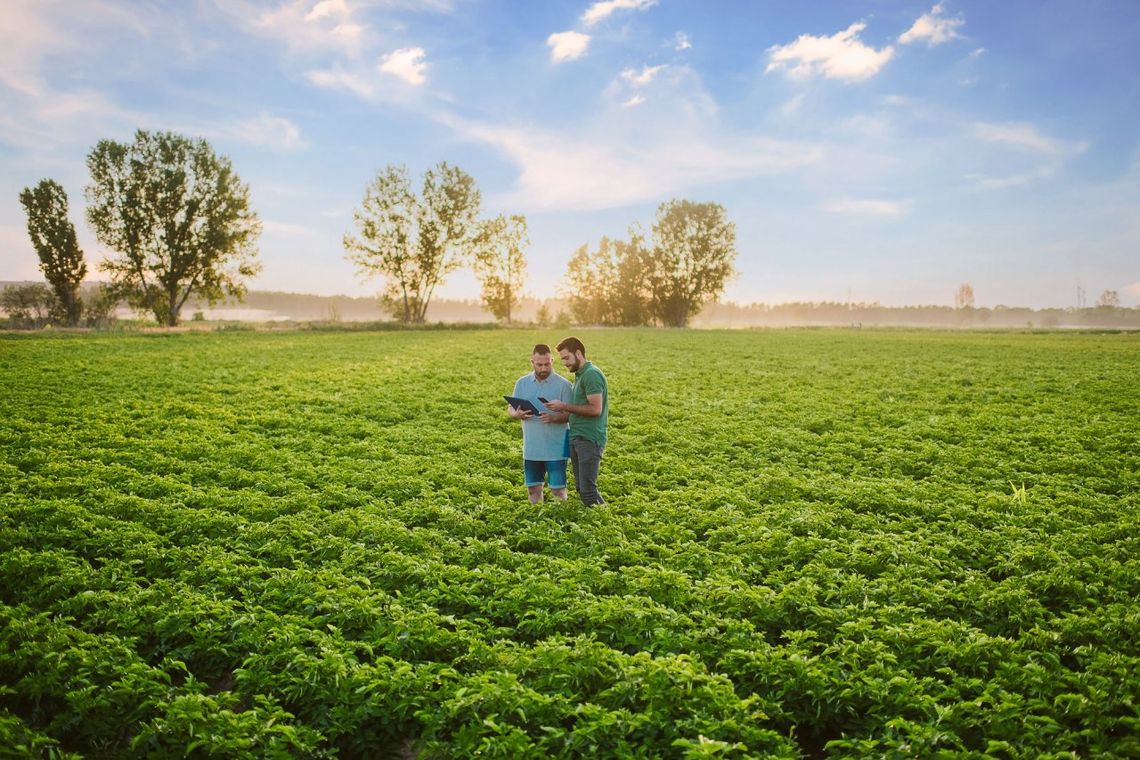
column 573, row 345
column 541, row 349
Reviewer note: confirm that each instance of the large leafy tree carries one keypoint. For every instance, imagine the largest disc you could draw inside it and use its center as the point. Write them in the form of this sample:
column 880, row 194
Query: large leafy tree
column 500, row 263
column 694, row 246
column 28, row 305
column 591, row 278
column 413, row 241
column 178, row 216
column 608, row 286
column 53, row 237
column 629, row 297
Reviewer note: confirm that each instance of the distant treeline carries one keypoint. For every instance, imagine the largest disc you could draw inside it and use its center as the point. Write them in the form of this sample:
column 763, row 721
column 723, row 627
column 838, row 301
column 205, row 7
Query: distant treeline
column 266, row 306
column 301, row 307
column 863, row 314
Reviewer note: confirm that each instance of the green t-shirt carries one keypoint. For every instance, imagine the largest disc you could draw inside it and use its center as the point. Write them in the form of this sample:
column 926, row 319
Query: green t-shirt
column 589, row 381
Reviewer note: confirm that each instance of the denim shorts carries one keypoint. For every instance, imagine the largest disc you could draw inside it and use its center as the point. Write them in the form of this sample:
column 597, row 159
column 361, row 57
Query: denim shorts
column 536, row 472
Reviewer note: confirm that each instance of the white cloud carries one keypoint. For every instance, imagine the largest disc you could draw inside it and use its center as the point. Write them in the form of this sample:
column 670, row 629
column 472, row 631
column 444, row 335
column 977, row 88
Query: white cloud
column 406, row 63
column 977, row 53
column 333, row 8
column 1133, row 289
column 28, row 36
column 267, row 131
column 566, row 46
column 793, row 105
column 575, row 171
column 1019, row 135
column 867, row 207
column 841, row 56
column 636, row 100
column 602, row 9
column 33, row 30
column 1050, row 152
column 934, row 27
column 1014, row 180
column 643, row 77
column 682, row 42
column 303, row 25
column 337, row 78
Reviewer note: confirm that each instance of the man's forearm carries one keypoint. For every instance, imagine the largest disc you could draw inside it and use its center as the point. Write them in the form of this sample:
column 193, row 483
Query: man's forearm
column 583, row 410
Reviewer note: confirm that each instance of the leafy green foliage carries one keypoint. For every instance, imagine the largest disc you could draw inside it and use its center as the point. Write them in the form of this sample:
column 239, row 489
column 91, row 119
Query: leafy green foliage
column 412, row 241
column 816, row 544
column 610, row 286
column 178, row 216
column 30, row 305
column 694, row 246
column 53, row 237
column 500, row 263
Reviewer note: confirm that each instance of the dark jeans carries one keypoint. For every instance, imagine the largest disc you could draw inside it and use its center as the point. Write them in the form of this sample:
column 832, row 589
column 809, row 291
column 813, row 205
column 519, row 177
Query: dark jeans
column 586, row 459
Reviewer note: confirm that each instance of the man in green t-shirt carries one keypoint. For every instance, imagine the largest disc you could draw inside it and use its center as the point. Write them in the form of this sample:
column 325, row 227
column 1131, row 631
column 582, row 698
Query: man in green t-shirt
column 589, row 412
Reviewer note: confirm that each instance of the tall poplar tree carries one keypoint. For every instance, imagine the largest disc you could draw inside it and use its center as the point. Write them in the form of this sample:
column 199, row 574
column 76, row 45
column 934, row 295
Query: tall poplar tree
column 53, row 237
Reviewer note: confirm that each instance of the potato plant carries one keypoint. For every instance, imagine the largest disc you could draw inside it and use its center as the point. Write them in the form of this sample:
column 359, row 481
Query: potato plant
column 816, row 544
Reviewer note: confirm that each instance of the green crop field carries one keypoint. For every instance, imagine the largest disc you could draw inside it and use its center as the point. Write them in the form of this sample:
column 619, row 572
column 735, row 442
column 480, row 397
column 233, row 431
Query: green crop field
column 817, row 544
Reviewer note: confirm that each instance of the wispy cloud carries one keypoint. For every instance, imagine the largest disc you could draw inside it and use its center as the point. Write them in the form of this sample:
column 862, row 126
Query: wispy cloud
column 35, row 29
column 643, row 77
column 1014, row 180
column 29, row 35
column 266, row 131
column 572, row 171
column 681, row 42
column 566, row 46
column 603, row 9
column 867, row 207
column 793, row 105
column 303, row 25
column 407, row 64
column 338, row 78
column 636, row 100
column 841, row 56
column 1020, row 135
column 934, row 28
column 1050, row 153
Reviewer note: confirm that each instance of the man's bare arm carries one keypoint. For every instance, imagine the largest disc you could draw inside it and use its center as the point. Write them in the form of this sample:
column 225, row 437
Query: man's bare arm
column 592, row 407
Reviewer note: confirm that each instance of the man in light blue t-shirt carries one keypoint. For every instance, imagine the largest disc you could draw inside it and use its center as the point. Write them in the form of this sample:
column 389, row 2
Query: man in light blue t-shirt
column 544, row 436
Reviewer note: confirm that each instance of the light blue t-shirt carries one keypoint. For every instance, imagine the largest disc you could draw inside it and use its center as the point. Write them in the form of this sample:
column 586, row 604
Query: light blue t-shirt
column 543, row 442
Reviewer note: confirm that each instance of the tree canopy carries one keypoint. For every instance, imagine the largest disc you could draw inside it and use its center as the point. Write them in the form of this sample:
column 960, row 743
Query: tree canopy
column 53, row 237
column 608, row 286
column 500, row 263
column 694, row 246
column 413, row 241
column 178, row 216
column 626, row 282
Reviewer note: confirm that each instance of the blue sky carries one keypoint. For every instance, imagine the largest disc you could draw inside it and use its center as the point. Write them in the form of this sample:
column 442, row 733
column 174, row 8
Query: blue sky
column 867, row 150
